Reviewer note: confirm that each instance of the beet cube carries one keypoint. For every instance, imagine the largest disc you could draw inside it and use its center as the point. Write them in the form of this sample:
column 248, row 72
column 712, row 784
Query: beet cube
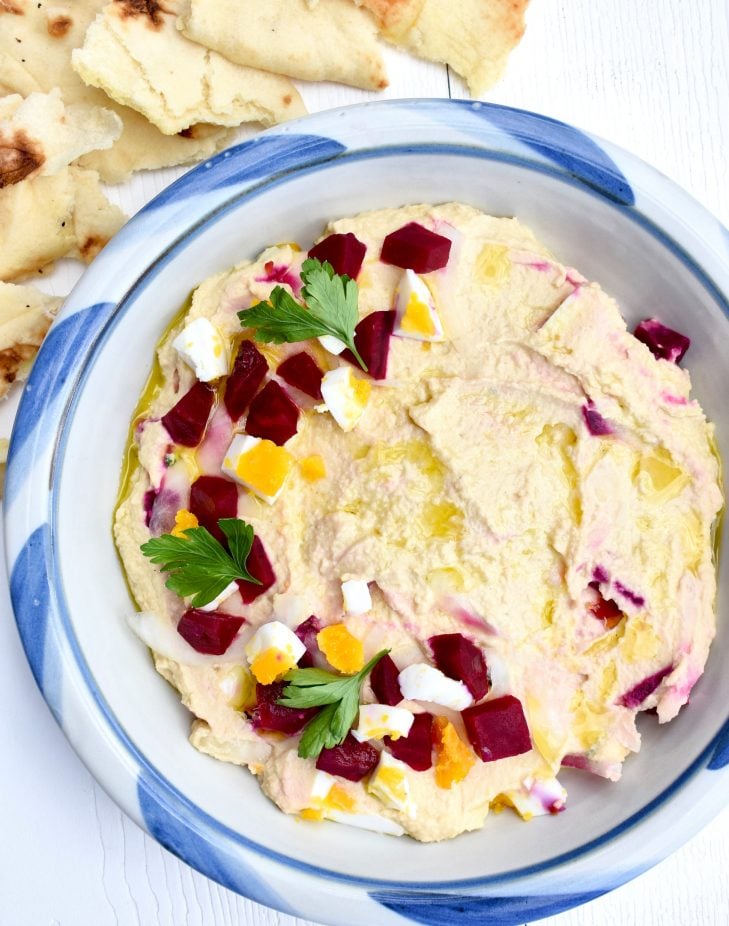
column 212, row 498
column 664, row 343
column 302, row 371
column 247, row 375
column 209, row 632
column 372, row 340
column 414, row 247
column 272, row 415
column 307, row 632
column 268, row 714
column 415, row 749
column 344, row 252
column 457, row 657
column 638, row 693
column 259, row 566
column 350, row 760
column 186, row 421
column 497, row 729
column 385, row 685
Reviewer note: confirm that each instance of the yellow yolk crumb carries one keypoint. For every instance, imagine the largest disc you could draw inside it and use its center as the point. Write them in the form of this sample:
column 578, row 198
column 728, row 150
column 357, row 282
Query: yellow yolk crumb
column 453, row 759
column 342, row 650
column 311, row 813
column 312, row 468
column 265, row 467
column 338, row 799
column 184, row 520
column 361, row 390
column 493, row 264
column 417, row 317
column 270, row 665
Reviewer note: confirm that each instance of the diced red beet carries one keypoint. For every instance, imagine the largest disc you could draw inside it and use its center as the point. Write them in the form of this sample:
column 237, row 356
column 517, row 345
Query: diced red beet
column 212, row 498
column 268, row 714
column 664, row 343
column 209, row 632
column 344, row 252
column 497, row 729
column 350, row 760
column 605, row 609
column 307, row 632
column 638, row 693
column 596, row 424
column 415, row 749
column 457, row 657
column 272, row 415
column 414, row 247
column 247, row 375
column 372, row 340
column 259, row 566
column 186, row 420
column 385, row 685
column 302, row 372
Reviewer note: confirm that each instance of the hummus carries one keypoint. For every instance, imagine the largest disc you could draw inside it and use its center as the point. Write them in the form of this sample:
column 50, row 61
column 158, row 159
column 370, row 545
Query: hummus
column 533, row 479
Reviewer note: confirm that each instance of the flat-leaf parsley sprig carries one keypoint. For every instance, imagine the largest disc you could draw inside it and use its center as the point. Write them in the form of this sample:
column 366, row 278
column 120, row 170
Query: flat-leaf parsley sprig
column 337, row 694
column 198, row 564
column 331, row 309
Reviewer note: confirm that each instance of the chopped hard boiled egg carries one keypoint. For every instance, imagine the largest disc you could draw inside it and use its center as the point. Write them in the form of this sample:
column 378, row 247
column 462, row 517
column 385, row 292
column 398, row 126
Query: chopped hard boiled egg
column 184, row 520
column 216, row 602
column 259, row 465
column 356, row 595
column 238, row 687
column 415, row 313
column 421, row 682
column 202, row 347
column 272, row 651
column 332, row 344
column 390, row 784
column 313, row 468
column 454, row 759
column 367, row 821
column 536, row 797
column 342, row 650
column 345, row 396
column 378, row 720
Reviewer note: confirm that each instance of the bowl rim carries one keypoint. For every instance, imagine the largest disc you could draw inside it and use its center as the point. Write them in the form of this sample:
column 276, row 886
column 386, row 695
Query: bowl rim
column 76, row 368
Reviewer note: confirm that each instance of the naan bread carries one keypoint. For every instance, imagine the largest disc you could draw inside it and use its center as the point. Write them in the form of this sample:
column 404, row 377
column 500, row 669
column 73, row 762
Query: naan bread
column 474, row 37
column 135, row 53
column 25, row 316
column 329, row 40
column 36, row 41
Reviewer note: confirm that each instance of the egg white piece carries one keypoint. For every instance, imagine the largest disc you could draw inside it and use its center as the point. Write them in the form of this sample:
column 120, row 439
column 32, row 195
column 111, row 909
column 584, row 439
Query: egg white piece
column 356, row 596
column 366, row 821
column 321, row 786
column 202, row 347
column 332, row 344
column 378, row 720
column 421, row 682
column 345, row 396
column 538, row 797
column 213, row 605
column 415, row 313
column 277, row 636
column 390, row 784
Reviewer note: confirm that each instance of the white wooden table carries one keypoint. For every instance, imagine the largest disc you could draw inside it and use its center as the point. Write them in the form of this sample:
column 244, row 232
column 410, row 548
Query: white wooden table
column 651, row 76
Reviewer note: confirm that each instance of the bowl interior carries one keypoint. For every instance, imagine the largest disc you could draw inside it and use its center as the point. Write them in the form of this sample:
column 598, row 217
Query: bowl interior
column 583, row 230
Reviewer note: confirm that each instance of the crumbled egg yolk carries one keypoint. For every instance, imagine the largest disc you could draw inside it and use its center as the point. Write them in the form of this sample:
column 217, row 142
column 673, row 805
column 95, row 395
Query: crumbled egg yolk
column 336, row 799
column 184, row 520
column 264, row 468
column 342, row 650
column 417, row 317
column 312, row 468
column 493, row 264
column 271, row 664
column 454, row 759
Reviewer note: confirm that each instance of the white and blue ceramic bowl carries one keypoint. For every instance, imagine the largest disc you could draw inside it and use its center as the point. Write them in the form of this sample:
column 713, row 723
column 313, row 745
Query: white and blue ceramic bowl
column 599, row 209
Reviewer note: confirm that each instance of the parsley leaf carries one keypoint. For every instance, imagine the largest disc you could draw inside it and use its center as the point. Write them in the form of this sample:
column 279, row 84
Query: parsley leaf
column 198, row 564
column 331, row 309
column 337, row 694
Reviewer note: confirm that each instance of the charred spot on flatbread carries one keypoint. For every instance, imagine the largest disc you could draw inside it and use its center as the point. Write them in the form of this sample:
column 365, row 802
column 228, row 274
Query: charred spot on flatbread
column 11, row 360
column 91, row 246
column 20, row 157
column 59, row 25
column 131, row 9
column 7, row 6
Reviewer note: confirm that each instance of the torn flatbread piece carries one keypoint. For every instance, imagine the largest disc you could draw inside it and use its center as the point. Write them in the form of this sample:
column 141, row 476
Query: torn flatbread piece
column 36, row 41
column 39, row 135
column 135, row 53
column 331, row 40
column 474, row 37
column 25, row 316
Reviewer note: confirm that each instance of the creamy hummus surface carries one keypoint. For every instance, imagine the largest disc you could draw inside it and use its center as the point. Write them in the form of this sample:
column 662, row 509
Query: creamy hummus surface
column 528, row 477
